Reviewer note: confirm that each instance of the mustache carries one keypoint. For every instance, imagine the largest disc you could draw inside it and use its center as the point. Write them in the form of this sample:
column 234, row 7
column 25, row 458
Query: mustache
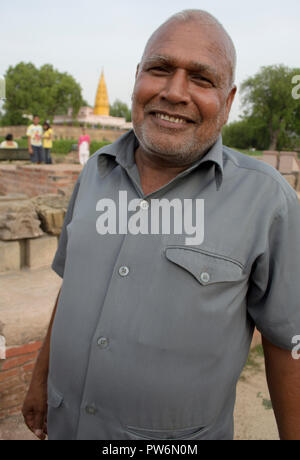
column 177, row 110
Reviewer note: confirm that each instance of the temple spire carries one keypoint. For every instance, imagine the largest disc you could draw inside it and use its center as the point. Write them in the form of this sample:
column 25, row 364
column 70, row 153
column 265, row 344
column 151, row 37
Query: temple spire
column 101, row 102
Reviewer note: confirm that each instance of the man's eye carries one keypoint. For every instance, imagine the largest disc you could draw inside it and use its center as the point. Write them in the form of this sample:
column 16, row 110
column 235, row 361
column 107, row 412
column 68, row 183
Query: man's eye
column 199, row 79
column 158, row 70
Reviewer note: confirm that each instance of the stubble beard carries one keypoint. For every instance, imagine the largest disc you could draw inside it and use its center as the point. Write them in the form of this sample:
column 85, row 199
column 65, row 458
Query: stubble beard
column 180, row 154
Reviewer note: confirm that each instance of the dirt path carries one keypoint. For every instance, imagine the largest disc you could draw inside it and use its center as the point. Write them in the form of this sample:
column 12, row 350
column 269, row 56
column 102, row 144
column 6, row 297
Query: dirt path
column 253, row 415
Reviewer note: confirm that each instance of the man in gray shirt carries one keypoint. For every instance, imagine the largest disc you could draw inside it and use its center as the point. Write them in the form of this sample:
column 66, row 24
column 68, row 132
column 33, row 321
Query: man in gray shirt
column 173, row 248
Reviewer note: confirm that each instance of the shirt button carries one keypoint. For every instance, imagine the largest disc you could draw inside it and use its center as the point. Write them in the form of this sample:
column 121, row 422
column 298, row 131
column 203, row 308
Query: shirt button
column 205, row 277
column 123, row 271
column 91, row 410
column 144, row 204
column 102, row 342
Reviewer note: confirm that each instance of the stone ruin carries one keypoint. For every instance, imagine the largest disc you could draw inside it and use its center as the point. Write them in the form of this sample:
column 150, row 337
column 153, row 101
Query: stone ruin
column 18, row 218
column 29, row 229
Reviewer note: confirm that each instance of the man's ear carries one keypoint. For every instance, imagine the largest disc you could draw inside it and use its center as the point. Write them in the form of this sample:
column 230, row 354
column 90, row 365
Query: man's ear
column 229, row 102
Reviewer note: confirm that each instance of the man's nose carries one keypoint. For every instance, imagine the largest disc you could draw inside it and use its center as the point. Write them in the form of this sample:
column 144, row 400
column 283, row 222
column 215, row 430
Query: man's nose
column 176, row 88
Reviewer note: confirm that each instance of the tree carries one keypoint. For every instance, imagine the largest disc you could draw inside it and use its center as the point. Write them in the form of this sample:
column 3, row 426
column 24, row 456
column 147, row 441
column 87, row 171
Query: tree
column 45, row 91
column 245, row 134
column 271, row 106
column 120, row 109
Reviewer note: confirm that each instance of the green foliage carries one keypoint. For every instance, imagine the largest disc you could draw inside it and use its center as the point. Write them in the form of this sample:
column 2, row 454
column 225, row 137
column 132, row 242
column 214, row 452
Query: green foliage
column 64, row 146
column 245, row 134
column 96, row 145
column 22, row 143
column 120, row 109
column 45, row 91
column 272, row 115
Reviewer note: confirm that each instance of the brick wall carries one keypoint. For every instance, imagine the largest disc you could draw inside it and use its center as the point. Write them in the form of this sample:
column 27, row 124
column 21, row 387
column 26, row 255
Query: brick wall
column 37, row 180
column 15, row 376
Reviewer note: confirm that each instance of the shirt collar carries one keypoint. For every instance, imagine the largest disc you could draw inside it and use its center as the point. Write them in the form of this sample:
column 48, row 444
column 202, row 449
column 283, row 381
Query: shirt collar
column 122, row 153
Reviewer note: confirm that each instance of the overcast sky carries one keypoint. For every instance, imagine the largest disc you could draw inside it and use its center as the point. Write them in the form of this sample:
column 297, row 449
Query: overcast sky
column 81, row 37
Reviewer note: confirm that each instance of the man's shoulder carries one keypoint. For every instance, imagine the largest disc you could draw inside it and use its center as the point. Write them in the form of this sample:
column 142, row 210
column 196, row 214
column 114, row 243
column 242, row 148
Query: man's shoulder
column 266, row 174
column 115, row 147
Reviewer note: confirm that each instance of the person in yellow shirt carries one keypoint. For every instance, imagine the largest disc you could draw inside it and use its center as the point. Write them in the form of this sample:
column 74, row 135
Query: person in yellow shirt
column 47, row 142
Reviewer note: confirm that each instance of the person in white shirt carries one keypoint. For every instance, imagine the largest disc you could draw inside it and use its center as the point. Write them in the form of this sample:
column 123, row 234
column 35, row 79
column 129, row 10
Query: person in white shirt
column 84, row 147
column 34, row 134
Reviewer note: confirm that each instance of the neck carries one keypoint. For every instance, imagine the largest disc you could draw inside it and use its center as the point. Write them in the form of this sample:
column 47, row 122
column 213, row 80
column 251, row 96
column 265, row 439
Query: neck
column 155, row 174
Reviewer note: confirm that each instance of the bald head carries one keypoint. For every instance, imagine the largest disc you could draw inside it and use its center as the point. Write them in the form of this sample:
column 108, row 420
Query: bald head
column 225, row 44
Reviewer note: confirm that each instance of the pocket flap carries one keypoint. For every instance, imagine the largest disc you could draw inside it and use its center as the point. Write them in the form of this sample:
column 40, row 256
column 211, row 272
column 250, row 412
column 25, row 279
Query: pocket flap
column 206, row 268
column 55, row 398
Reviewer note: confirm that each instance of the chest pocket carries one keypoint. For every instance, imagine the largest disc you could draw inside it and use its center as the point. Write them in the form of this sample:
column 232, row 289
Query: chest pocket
column 207, row 268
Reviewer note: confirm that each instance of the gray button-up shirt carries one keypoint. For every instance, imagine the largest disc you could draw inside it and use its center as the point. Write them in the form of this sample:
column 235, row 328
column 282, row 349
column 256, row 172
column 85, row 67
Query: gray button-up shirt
column 151, row 333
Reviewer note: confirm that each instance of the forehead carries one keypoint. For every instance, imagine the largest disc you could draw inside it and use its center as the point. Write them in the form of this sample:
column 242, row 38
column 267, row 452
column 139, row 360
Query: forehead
column 189, row 43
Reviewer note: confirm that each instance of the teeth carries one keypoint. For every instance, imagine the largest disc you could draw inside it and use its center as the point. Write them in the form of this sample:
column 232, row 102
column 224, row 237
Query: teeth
column 167, row 118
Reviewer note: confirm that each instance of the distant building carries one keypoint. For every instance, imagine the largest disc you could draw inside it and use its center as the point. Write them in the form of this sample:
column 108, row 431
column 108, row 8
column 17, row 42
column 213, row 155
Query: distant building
column 101, row 102
column 99, row 115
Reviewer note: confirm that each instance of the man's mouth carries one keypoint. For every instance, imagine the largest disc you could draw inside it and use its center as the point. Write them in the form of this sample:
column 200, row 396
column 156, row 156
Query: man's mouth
column 172, row 118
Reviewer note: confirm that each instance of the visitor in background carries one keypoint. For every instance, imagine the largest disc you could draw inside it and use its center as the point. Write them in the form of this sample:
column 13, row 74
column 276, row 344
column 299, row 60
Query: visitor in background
column 84, row 147
column 34, row 134
column 47, row 142
column 9, row 143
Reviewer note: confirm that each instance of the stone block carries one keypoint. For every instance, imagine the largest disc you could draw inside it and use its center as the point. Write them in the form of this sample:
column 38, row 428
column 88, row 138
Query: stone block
column 18, row 218
column 291, row 179
column 270, row 160
column 51, row 209
column 271, row 152
column 289, row 154
column 40, row 251
column 52, row 220
column 10, row 256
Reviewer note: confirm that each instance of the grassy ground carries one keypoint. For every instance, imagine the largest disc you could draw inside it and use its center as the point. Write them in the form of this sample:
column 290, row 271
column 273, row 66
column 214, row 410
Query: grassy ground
column 256, row 153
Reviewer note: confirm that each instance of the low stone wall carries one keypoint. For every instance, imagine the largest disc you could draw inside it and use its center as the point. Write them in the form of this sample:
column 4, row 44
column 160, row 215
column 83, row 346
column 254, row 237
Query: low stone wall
column 36, row 180
column 27, row 253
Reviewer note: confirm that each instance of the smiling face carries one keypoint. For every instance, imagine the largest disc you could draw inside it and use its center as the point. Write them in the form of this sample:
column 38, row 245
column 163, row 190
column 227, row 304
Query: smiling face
column 182, row 94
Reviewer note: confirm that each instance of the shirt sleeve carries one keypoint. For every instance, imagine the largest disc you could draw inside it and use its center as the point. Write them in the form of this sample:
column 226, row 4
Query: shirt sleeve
column 28, row 132
column 58, row 264
column 274, row 294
